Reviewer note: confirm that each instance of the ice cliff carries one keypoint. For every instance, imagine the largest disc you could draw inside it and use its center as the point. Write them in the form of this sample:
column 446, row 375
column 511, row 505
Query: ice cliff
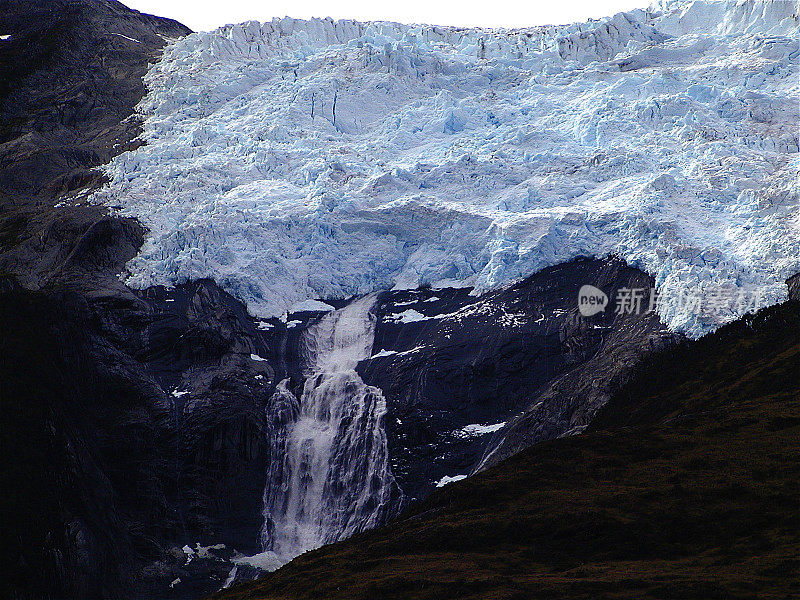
column 309, row 159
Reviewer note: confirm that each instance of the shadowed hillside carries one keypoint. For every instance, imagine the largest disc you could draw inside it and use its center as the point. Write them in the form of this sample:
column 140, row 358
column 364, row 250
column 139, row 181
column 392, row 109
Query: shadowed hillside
column 685, row 487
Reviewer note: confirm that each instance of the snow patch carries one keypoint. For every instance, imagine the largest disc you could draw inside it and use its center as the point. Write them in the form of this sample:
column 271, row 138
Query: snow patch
column 407, row 316
column 406, row 303
column 384, row 353
column 257, row 358
column 311, row 306
column 478, row 430
column 200, row 551
column 396, row 353
column 448, row 479
column 127, row 38
column 266, row 561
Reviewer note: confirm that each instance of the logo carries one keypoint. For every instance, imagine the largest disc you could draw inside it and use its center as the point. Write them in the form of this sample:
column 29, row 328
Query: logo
column 591, row 300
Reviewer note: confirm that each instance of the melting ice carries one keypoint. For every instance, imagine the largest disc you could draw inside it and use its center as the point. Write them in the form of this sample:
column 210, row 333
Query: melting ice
column 329, row 476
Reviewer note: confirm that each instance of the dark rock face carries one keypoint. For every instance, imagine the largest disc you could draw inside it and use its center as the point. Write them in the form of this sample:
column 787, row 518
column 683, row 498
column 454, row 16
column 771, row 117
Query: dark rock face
column 70, row 76
column 137, row 425
column 524, row 356
column 93, row 447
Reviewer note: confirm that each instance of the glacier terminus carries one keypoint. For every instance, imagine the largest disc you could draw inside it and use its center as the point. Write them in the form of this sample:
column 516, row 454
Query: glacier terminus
column 294, row 160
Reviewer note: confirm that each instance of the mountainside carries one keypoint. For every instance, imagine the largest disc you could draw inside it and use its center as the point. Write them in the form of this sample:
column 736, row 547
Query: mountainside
column 70, row 76
column 470, row 381
column 685, row 486
column 272, row 286
column 142, row 423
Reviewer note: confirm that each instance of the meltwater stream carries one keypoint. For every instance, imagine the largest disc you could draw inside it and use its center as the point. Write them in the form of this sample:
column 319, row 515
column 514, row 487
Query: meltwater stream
column 329, row 476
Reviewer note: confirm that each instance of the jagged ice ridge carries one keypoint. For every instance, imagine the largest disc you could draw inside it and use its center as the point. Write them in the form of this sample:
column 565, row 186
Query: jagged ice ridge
column 310, row 159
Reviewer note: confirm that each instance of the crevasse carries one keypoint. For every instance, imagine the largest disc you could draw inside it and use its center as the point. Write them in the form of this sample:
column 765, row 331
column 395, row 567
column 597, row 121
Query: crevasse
column 308, row 159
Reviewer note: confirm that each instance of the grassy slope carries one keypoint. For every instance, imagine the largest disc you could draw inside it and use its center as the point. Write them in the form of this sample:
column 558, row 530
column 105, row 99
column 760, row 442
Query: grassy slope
column 686, row 487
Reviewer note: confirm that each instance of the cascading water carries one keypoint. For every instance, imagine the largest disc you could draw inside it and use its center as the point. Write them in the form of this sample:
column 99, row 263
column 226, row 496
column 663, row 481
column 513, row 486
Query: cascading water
column 329, row 476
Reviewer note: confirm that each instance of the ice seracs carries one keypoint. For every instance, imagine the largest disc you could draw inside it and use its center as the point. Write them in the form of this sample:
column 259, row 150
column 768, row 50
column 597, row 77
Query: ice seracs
column 294, row 160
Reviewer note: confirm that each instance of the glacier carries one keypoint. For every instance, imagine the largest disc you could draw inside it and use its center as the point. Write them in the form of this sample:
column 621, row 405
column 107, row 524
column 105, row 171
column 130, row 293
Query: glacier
column 296, row 160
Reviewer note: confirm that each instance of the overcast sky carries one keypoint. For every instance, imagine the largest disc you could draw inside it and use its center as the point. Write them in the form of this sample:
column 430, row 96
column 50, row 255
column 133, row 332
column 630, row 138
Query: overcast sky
column 202, row 15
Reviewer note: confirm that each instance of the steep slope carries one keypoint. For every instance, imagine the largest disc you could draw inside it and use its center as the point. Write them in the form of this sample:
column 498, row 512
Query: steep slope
column 79, row 426
column 469, row 381
column 309, row 159
column 137, row 426
column 70, row 76
column 686, row 486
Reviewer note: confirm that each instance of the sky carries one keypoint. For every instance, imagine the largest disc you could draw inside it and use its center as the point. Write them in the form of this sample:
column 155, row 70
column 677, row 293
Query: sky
column 202, row 15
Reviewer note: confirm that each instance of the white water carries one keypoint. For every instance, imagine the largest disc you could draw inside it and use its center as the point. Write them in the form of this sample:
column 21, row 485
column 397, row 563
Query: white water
column 330, row 475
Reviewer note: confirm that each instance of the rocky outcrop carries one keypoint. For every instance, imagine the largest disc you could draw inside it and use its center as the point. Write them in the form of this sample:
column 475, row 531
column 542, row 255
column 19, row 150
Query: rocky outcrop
column 471, row 380
column 70, row 76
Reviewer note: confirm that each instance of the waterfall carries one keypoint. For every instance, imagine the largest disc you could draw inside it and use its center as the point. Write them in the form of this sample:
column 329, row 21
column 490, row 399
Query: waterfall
column 329, row 475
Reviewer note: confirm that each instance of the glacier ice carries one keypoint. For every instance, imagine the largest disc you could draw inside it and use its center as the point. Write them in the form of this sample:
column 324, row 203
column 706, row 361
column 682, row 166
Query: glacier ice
column 294, row 160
